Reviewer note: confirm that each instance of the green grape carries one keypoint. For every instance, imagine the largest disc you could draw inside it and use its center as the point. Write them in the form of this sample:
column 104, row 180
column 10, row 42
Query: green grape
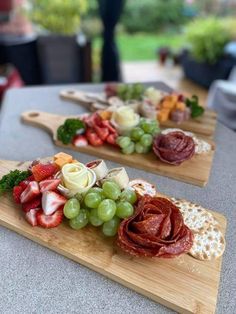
column 71, row 208
column 95, row 189
column 123, row 141
column 111, row 190
column 80, row 220
column 156, row 131
column 124, row 210
column 94, row 219
column 136, row 134
column 92, row 200
column 129, row 149
column 146, row 140
column 147, row 125
column 106, row 210
column 110, row 227
column 128, row 195
column 139, row 148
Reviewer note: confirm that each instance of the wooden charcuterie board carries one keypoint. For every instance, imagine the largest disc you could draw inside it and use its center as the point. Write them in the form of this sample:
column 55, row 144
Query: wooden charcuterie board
column 184, row 284
column 204, row 125
column 195, row 171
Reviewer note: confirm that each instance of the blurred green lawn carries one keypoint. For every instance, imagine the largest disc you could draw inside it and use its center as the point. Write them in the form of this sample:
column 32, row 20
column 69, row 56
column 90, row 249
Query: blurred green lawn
column 142, row 46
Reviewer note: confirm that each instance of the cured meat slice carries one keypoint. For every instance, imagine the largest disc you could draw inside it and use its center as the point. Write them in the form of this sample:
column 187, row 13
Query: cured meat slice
column 174, row 147
column 156, row 229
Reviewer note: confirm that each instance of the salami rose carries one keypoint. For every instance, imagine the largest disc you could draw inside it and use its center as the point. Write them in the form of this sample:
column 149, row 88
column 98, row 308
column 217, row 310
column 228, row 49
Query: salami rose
column 174, row 147
column 156, row 229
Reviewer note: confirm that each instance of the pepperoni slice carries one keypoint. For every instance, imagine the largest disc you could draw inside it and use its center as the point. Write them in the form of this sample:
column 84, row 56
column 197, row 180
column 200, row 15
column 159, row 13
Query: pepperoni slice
column 156, row 229
column 174, row 147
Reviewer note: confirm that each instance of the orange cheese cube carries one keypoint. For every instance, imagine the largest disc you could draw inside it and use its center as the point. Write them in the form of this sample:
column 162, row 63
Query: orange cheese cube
column 68, row 158
column 60, row 162
column 105, row 115
column 180, row 106
column 163, row 115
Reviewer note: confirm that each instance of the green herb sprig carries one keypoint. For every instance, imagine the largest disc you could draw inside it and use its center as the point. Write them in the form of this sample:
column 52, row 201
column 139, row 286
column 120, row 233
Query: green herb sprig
column 67, row 131
column 193, row 104
column 12, row 179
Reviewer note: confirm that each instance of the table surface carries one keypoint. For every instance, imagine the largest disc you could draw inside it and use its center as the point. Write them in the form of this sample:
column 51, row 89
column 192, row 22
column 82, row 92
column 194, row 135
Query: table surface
column 34, row 279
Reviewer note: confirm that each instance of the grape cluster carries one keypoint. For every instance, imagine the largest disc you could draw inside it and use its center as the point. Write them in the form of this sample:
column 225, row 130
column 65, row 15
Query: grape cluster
column 140, row 138
column 130, row 92
column 104, row 207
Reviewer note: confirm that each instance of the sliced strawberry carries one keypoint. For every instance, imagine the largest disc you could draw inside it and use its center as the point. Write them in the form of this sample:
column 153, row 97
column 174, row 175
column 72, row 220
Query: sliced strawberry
column 49, row 185
column 92, row 120
column 101, row 132
column 35, row 203
column 93, row 138
column 43, row 171
column 24, row 184
column 111, row 139
column 17, row 191
column 30, row 216
column 79, row 141
column 30, row 192
column 51, row 201
column 31, row 178
column 107, row 124
column 49, row 221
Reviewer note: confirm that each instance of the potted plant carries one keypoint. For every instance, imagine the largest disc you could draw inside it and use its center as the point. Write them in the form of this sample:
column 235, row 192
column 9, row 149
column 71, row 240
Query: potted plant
column 60, row 45
column 205, row 60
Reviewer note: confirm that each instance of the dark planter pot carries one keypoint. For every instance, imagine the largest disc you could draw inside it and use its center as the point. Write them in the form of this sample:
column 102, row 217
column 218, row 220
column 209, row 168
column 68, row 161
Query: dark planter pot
column 203, row 73
column 64, row 59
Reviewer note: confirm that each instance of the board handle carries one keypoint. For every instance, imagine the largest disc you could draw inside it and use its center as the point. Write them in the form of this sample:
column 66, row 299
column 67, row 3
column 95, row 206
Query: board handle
column 47, row 121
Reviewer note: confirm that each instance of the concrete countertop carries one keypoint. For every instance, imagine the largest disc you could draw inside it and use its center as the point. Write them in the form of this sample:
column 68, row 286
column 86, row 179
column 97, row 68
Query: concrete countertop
column 34, row 279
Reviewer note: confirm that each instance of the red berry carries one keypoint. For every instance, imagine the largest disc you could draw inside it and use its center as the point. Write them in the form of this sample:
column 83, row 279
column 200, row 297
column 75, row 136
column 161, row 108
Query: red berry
column 49, row 221
column 30, row 216
column 35, row 203
column 112, row 139
column 30, row 192
column 101, row 132
column 79, row 141
column 43, row 171
column 17, row 191
column 93, row 138
column 49, row 185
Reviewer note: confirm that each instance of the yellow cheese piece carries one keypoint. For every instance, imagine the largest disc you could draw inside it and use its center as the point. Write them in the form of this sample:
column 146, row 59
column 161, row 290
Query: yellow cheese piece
column 60, row 162
column 105, row 115
column 64, row 156
column 180, row 106
column 163, row 115
column 167, row 104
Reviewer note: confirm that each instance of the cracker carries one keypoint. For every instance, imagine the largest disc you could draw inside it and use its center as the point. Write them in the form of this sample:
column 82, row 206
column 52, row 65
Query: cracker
column 143, row 187
column 195, row 216
column 209, row 244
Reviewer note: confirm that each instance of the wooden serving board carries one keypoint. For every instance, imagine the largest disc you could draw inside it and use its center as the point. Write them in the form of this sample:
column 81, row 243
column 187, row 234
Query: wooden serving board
column 184, row 284
column 204, row 125
column 195, row 171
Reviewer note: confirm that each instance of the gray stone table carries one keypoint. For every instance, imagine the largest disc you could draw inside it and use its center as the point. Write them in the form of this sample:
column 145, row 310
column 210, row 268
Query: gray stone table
column 34, row 279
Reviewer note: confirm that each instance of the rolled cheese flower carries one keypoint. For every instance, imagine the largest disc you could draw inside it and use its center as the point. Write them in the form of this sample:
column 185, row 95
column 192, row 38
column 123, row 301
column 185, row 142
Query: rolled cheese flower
column 124, row 119
column 77, row 178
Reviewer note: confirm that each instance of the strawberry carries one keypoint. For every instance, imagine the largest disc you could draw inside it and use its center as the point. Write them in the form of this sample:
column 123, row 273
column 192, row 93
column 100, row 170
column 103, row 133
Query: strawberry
column 107, row 124
column 111, row 139
column 30, row 216
column 79, row 141
column 49, row 185
column 17, row 190
column 93, row 138
column 49, row 221
column 31, row 178
column 101, row 132
column 30, row 192
column 43, row 171
column 93, row 119
column 35, row 203
column 24, row 184
column 51, row 201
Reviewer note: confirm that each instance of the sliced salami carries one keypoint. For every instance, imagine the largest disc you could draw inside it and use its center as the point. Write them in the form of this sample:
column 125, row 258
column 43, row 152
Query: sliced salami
column 156, row 230
column 174, row 147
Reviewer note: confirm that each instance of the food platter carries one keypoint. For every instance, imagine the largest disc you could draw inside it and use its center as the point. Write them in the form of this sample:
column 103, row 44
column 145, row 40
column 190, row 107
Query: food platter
column 183, row 283
column 204, row 125
column 195, row 171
